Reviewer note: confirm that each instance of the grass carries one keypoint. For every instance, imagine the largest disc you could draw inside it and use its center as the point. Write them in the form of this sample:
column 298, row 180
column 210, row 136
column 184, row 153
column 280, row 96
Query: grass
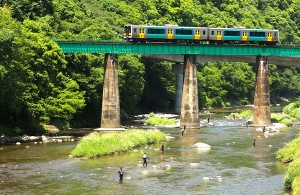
column 290, row 153
column 152, row 121
column 296, row 185
column 99, row 144
column 244, row 114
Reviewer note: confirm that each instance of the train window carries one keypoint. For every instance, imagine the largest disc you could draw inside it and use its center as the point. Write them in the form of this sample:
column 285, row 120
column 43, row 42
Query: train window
column 275, row 34
column 156, row 31
column 257, row 34
column 231, row 33
column 134, row 30
column 212, row 32
column 204, row 32
column 184, row 32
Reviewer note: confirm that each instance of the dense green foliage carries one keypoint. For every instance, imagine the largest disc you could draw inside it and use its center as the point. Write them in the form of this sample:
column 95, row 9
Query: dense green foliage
column 291, row 153
column 41, row 85
column 99, row 144
column 290, row 115
column 293, row 109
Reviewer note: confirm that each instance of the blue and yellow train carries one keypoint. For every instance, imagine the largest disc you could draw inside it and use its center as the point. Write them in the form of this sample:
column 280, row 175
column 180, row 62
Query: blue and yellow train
column 182, row 34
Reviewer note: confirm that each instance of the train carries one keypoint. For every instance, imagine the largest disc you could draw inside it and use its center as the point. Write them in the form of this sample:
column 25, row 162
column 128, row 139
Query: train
column 198, row 35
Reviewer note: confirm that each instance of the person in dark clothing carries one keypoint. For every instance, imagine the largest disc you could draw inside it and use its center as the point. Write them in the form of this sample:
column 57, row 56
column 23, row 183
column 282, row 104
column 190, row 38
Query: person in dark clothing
column 145, row 159
column 162, row 147
column 254, row 142
column 183, row 130
column 121, row 174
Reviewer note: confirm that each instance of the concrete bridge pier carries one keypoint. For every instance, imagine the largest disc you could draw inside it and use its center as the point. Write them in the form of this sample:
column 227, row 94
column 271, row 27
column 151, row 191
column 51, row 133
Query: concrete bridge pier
column 178, row 69
column 261, row 110
column 110, row 117
column 189, row 105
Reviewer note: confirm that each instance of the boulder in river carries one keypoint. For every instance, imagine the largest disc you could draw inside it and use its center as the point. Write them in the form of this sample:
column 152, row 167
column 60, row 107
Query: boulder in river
column 201, row 145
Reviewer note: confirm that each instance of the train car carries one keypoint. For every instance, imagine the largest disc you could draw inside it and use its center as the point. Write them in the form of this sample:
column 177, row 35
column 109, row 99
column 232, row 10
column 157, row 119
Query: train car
column 167, row 33
column 243, row 36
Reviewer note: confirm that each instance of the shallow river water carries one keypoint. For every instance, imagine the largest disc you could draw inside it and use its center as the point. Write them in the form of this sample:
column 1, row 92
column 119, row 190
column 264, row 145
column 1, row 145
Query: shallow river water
column 231, row 166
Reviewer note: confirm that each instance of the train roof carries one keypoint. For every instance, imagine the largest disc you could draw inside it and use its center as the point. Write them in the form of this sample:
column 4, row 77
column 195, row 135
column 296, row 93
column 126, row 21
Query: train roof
column 237, row 29
column 175, row 26
column 213, row 28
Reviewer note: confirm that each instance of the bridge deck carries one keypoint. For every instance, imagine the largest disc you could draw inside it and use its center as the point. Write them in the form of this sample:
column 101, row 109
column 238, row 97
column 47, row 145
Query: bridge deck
column 71, row 46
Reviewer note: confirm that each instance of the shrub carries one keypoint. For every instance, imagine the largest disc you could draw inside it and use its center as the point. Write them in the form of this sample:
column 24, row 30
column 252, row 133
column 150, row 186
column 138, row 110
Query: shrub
column 287, row 122
column 287, row 109
column 292, row 173
column 160, row 121
column 297, row 116
column 289, row 151
column 151, row 114
column 296, row 185
column 277, row 117
column 294, row 112
column 246, row 113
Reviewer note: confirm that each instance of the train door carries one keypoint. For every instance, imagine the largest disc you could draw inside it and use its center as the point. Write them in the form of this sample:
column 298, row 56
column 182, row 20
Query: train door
column 269, row 37
column 170, row 34
column 142, row 33
column 219, row 35
column 244, row 36
column 197, row 34
column 134, row 34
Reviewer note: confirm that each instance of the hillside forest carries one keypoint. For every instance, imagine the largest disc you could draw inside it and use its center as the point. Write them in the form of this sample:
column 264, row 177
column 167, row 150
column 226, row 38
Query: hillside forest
column 42, row 85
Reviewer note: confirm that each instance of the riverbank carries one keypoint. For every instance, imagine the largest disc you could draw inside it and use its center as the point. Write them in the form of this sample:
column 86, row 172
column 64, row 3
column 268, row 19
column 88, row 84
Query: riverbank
column 290, row 153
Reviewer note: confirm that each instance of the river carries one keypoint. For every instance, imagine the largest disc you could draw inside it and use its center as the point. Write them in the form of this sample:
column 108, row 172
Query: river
column 231, row 166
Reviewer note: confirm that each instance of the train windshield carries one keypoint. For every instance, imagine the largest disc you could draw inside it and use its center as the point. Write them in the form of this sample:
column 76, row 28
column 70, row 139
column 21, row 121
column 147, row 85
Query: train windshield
column 127, row 29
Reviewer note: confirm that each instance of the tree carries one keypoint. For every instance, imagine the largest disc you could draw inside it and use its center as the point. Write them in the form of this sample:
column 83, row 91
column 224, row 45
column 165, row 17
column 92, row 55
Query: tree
column 131, row 81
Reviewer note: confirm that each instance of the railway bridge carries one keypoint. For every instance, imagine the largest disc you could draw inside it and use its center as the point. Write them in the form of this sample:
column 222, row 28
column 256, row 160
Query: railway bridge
column 185, row 57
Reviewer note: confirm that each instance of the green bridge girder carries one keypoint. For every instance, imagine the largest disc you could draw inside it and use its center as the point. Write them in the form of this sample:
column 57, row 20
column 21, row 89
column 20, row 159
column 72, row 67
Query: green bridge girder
column 71, row 46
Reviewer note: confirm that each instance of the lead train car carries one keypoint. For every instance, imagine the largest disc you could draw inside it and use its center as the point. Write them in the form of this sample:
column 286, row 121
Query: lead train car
column 168, row 33
column 173, row 33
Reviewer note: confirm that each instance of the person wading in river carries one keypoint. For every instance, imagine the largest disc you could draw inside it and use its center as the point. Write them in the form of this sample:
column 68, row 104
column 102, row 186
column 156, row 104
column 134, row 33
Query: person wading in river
column 121, row 174
column 162, row 147
column 183, row 130
column 145, row 159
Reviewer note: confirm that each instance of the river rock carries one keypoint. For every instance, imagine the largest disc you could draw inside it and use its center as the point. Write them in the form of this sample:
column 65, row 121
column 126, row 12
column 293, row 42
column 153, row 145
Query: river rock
column 201, row 145
column 51, row 129
column 166, row 167
column 145, row 172
column 194, row 164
